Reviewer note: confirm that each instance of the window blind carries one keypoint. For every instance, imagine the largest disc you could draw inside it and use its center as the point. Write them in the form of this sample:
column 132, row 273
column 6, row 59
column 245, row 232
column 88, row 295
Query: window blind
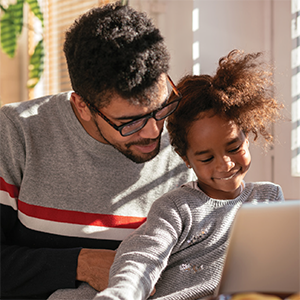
column 59, row 15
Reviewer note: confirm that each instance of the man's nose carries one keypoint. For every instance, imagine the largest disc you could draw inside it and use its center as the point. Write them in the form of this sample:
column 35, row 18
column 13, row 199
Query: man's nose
column 152, row 129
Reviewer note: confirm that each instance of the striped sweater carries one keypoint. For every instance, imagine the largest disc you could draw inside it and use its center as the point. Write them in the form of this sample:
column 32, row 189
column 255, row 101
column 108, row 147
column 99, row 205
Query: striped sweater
column 61, row 190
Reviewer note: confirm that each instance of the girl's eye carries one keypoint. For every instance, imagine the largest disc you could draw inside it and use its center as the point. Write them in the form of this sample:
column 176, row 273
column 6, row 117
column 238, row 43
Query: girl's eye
column 207, row 160
column 235, row 149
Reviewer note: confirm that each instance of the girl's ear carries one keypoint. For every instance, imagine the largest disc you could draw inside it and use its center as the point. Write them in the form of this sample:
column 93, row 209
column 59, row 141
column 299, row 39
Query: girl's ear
column 185, row 159
column 81, row 108
column 247, row 139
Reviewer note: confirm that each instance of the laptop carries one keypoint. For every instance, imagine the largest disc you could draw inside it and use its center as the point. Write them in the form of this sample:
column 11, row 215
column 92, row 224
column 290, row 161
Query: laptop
column 264, row 250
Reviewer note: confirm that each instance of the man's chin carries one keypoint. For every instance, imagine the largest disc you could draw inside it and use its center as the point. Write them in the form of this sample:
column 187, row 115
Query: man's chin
column 140, row 158
column 141, row 152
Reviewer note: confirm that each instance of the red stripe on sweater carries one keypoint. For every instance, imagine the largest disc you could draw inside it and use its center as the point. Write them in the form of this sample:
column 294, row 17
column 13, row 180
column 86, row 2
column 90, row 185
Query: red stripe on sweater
column 81, row 218
column 11, row 189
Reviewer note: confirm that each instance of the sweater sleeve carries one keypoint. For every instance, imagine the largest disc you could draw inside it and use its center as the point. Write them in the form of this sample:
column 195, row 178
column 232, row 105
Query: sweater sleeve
column 280, row 196
column 143, row 256
column 25, row 272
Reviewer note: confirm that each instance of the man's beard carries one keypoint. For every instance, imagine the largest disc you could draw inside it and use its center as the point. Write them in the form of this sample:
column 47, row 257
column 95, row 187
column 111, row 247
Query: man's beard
column 129, row 154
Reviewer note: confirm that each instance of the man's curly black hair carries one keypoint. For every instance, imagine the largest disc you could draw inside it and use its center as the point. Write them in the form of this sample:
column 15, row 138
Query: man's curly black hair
column 241, row 91
column 114, row 49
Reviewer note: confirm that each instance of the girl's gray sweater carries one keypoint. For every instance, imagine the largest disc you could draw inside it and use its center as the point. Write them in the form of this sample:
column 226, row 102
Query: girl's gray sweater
column 180, row 249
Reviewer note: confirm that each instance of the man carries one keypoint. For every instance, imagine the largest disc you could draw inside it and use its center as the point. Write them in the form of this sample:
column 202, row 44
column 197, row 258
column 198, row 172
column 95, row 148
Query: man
column 80, row 170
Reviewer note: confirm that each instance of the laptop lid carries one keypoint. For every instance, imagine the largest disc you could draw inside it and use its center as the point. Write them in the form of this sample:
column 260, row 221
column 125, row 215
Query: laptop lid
column 264, row 250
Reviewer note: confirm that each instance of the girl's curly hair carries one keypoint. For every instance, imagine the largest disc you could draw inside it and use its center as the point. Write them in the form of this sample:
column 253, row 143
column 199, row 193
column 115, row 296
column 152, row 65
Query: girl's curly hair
column 241, row 91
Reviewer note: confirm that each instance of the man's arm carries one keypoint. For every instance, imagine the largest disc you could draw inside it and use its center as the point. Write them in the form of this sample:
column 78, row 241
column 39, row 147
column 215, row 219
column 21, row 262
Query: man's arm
column 27, row 269
column 30, row 264
column 28, row 272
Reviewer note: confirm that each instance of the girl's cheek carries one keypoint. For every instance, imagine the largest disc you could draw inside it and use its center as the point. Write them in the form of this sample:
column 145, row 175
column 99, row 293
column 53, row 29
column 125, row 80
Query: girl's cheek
column 247, row 157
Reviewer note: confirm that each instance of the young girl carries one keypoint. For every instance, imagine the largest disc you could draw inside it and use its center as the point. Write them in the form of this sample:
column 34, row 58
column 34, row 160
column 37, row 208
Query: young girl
column 180, row 249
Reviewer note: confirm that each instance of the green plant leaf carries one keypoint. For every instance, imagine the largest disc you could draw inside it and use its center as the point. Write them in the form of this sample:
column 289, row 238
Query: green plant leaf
column 2, row 7
column 11, row 25
column 36, row 65
column 35, row 8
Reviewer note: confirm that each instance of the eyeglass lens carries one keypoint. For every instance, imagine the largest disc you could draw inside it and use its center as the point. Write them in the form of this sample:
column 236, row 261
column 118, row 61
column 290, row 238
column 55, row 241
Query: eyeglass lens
column 158, row 115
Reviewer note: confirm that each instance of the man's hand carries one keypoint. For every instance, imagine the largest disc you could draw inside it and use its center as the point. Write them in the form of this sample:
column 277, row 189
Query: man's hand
column 93, row 267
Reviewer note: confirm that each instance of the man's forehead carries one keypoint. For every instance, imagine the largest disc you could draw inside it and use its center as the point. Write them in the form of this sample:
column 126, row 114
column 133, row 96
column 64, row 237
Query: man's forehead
column 160, row 94
column 152, row 98
column 155, row 101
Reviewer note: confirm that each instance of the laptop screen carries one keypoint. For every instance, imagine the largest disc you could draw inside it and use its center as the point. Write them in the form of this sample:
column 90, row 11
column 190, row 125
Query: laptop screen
column 264, row 250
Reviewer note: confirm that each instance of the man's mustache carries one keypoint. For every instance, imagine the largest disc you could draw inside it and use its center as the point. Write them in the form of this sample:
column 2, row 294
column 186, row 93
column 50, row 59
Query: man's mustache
column 143, row 142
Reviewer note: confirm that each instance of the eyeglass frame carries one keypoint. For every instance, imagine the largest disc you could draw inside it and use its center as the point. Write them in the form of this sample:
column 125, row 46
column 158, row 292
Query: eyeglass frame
column 147, row 116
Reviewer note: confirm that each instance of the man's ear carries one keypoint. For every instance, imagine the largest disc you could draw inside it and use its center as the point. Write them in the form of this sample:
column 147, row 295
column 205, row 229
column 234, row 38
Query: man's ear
column 81, row 108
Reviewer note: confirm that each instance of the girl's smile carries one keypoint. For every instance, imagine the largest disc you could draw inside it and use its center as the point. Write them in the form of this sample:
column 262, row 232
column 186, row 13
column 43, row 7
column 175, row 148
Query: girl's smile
column 218, row 152
column 231, row 176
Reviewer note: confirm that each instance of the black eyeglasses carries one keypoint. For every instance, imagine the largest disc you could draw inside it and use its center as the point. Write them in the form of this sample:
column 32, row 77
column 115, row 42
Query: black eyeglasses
column 140, row 122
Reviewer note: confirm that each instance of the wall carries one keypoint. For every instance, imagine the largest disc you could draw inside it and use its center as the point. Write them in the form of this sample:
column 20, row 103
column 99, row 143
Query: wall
column 282, row 57
column 13, row 72
column 173, row 17
column 9, row 79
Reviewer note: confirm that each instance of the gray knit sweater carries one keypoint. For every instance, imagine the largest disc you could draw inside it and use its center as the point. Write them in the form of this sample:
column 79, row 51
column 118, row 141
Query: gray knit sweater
column 60, row 190
column 180, row 249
